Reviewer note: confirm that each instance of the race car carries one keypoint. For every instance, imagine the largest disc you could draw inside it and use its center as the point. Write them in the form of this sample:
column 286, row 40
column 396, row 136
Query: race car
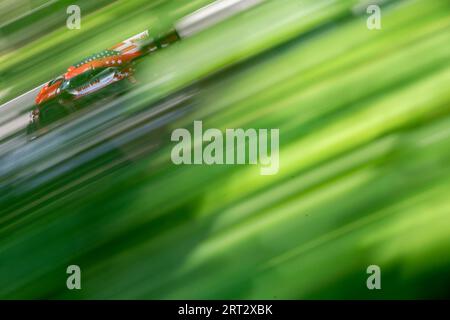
column 95, row 72
column 92, row 76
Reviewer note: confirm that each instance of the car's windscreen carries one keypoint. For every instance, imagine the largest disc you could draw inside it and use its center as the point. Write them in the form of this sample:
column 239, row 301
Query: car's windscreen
column 84, row 77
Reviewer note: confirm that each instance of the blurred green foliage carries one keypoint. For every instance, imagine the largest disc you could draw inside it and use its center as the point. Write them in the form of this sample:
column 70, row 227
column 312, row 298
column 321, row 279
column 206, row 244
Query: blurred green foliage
column 364, row 176
column 24, row 20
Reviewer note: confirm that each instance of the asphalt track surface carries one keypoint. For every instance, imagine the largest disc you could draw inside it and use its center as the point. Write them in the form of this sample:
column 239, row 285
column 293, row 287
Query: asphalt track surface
column 101, row 131
column 14, row 114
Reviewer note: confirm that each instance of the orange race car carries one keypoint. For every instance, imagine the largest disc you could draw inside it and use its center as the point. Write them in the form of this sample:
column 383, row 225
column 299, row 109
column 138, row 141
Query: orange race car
column 101, row 69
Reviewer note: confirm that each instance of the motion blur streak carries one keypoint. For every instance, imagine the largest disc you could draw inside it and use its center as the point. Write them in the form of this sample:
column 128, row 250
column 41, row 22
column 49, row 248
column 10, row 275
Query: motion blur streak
column 363, row 116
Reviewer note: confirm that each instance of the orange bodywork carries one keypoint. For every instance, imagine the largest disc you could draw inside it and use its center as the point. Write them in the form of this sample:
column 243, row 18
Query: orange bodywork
column 48, row 92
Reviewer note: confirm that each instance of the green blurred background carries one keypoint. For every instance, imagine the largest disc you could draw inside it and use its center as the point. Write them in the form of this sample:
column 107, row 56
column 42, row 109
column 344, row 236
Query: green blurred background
column 364, row 124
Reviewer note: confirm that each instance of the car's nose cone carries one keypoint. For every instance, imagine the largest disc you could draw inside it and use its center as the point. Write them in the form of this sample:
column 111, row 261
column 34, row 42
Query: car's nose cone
column 41, row 95
column 49, row 91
